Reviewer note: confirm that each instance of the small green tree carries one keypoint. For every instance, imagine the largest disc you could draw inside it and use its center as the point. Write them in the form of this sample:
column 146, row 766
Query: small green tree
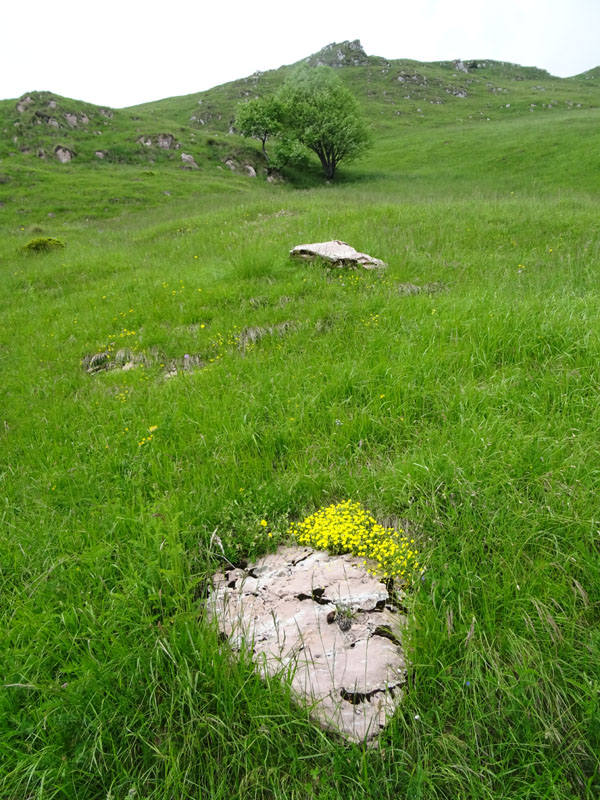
column 324, row 116
column 260, row 119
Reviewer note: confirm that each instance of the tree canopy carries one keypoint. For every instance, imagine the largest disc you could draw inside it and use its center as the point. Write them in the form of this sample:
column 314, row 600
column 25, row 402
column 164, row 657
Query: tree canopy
column 313, row 111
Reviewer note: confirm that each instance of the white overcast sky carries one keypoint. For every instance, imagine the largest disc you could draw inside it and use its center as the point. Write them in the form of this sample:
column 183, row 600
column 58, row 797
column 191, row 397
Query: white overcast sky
column 123, row 52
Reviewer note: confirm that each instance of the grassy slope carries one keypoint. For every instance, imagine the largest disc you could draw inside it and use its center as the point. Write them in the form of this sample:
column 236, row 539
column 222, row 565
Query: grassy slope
column 469, row 414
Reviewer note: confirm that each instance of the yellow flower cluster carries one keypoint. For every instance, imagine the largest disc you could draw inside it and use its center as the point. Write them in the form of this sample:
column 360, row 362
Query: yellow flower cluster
column 147, row 439
column 349, row 528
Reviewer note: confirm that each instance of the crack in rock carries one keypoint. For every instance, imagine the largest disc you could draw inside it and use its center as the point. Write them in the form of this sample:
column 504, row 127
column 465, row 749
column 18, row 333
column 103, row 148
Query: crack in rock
column 282, row 608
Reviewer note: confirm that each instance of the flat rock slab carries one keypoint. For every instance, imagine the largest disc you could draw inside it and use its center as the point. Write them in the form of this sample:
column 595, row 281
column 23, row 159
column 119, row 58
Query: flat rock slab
column 324, row 623
column 337, row 253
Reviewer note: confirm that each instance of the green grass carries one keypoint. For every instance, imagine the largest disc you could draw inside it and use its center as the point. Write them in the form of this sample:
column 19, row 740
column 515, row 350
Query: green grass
column 470, row 414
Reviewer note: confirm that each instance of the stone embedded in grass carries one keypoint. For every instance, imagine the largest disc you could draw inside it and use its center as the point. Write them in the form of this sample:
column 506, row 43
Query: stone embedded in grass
column 427, row 288
column 64, row 154
column 324, row 623
column 337, row 253
column 189, row 162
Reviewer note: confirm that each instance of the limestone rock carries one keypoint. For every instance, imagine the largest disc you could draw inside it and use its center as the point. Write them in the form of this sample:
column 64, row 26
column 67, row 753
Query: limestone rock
column 100, row 154
column 250, row 171
column 166, row 141
column 342, row 54
column 64, row 154
column 71, row 119
column 327, row 623
column 189, row 161
column 23, row 104
column 338, row 253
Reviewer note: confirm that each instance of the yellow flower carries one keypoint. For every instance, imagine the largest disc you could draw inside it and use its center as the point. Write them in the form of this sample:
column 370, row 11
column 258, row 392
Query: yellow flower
column 264, row 523
column 153, row 428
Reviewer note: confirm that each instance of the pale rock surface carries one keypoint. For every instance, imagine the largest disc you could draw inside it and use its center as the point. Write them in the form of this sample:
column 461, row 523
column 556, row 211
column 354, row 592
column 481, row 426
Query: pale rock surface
column 189, row 162
column 250, row 171
column 24, row 103
column 63, row 154
column 71, row 119
column 166, row 141
column 461, row 66
column 338, row 253
column 324, row 623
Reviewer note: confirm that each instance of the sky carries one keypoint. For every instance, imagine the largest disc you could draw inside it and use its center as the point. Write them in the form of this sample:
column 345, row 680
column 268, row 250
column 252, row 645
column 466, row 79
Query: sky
column 124, row 52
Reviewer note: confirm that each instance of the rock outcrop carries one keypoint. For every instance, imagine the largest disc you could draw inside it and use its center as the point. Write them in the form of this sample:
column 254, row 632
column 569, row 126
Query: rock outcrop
column 344, row 54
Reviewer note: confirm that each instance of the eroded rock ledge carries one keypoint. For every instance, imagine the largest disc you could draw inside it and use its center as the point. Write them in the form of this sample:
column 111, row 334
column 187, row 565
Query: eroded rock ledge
column 327, row 624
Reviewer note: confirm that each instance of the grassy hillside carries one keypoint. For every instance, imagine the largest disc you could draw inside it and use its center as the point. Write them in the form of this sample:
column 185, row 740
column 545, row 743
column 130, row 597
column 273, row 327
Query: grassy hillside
column 396, row 93
column 455, row 394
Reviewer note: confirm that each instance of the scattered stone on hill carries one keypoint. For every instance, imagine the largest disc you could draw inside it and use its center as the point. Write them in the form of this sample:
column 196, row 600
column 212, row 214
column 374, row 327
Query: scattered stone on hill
column 24, row 103
column 84, row 119
column 231, row 164
column 457, row 91
column 343, row 54
column 100, row 154
column 41, row 153
column 324, row 623
column 189, row 161
column 71, row 119
column 337, row 253
column 52, row 104
column 250, row 171
column 166, row 141
column 64, row 154
column 106, row 112
column 460, row 66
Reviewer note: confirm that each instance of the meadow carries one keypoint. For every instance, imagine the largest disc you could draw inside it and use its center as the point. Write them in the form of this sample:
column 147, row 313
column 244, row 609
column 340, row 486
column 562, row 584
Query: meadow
column 466, row 412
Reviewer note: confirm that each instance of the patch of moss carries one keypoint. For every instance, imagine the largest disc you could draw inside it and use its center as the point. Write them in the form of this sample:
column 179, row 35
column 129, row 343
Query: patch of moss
column 43, row 244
